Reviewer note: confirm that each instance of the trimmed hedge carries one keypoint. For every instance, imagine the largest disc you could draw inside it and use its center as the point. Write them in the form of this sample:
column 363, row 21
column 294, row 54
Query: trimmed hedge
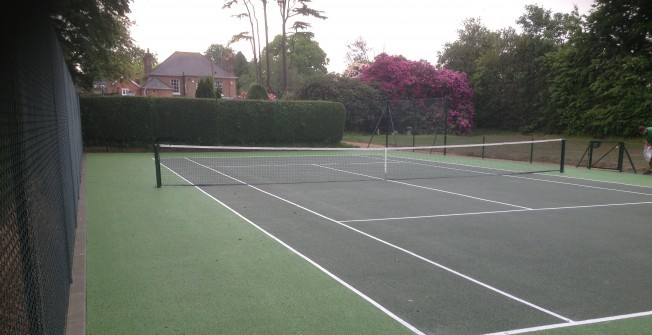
column 130, row 122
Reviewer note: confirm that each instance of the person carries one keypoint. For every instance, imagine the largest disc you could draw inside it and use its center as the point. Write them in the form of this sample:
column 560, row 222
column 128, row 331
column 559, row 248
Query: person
column 646, row 132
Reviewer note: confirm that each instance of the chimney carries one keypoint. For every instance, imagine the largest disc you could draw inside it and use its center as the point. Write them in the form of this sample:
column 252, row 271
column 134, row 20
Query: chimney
column 149, row 59
column 227, row 61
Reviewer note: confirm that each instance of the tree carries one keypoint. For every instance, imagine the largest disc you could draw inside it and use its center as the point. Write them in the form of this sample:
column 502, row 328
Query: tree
column 402, row 79
column 94, row 37
column 472, row 42
column 360, row 99
column 252, row 36
column 205, row 88
column 289, row 9
column 216, row 53
column 357, row 57
column 308, row 59
column 266, row 44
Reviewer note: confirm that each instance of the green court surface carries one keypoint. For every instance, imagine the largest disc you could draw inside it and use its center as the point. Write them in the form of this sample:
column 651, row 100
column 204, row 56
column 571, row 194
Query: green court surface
column 173, row 260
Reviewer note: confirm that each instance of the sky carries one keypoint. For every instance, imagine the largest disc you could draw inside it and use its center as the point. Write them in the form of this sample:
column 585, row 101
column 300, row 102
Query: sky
column 417, row 29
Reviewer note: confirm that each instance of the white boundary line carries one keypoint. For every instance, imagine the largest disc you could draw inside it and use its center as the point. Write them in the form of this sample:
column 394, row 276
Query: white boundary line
column 580, row 185
column 574, row 323
column 497, row 212
column 450, row 270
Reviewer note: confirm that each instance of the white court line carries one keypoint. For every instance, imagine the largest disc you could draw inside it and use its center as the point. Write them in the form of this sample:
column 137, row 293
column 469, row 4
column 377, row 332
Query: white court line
column 580, row 185
column 457, row 273
column 315, row 264
column 497, row 212
column 424, row 187
column 573, row 324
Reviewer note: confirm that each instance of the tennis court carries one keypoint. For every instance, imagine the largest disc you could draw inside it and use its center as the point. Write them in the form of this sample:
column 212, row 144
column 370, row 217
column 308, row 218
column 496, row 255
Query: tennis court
column 473, row 250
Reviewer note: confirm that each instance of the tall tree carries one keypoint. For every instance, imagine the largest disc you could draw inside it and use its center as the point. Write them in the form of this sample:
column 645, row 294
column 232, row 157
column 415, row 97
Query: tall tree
column 308, row 59
column 289, row 9
column 472, row 42
column 602, row 85
column 94, row 36
column 252, row 35
column 267, row 73
column 357, row 57
column 216, row 53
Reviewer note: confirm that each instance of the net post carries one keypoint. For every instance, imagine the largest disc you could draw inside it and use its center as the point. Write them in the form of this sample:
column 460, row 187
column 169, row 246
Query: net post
column 563, row 156
column 621, row 151
column 532, row 151
column 483, row 142
column 446, row 106
column 157, row 162
column 385, row 163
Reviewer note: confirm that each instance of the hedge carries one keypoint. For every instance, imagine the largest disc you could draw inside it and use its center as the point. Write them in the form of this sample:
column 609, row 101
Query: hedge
column 130, row 122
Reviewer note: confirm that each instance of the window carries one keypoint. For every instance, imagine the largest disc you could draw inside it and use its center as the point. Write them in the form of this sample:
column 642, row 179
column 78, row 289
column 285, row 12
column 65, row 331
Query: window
column 126, row 91
column 175, row 86
column 218, row 84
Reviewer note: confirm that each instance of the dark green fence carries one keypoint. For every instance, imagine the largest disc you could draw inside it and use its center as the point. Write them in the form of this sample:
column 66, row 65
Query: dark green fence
column 40, row 171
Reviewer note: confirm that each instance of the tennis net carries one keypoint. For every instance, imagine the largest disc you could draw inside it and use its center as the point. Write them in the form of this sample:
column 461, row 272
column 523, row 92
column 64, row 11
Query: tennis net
column 232, row 165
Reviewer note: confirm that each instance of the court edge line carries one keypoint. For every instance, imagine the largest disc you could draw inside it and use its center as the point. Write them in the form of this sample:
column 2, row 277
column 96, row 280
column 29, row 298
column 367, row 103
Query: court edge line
column 574, row 323
column 457, row 273
column 315, row 264
column 580, row 185
column 423, row 187
column 498, row 212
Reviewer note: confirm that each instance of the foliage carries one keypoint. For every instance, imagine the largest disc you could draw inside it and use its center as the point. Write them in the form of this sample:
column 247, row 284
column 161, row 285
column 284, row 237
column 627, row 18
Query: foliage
column 565, row 73
column 357, row 57
column 600, row 81
column 307, row 60
column 360, row 99
column 257, row 92
column 141, row 121
column 473, row 41
column 205, row 88
column 216, row 53
column 402, row 79
column 94, row 37
column 288, row 10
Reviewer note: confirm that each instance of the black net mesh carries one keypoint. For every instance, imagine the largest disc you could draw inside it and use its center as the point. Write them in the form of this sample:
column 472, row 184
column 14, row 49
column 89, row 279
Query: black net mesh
column 40, row 171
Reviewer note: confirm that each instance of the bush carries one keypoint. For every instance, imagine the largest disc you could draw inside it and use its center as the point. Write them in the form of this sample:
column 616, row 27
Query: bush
column 205, row 88
column 257, row 92
column 139, row 122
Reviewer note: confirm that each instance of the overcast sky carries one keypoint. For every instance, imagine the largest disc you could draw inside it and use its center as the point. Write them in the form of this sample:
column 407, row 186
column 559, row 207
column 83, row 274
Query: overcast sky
column 416, row 29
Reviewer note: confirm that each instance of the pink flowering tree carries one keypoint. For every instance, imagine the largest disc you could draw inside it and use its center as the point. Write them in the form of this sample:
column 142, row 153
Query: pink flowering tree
column 402, row 79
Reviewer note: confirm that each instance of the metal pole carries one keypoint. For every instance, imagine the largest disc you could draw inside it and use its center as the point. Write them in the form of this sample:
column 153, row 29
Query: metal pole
column 157, row 162
column 531, row 151
column 483, row 139
column 563, row 156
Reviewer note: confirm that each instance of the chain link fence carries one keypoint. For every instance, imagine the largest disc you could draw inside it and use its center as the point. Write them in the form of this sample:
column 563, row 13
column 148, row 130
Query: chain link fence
column 40, row 171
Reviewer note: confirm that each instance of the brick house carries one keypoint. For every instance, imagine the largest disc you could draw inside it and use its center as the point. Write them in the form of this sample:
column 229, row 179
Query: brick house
column 177, row 76
column 118, row 87
column 180, row 73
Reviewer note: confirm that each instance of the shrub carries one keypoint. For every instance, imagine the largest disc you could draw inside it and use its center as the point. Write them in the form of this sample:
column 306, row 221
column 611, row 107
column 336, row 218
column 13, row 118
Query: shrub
column 257, row 92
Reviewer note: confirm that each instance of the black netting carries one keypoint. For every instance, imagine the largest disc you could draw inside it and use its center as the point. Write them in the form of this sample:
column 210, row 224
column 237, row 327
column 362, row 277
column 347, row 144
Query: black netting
column 40, row 171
